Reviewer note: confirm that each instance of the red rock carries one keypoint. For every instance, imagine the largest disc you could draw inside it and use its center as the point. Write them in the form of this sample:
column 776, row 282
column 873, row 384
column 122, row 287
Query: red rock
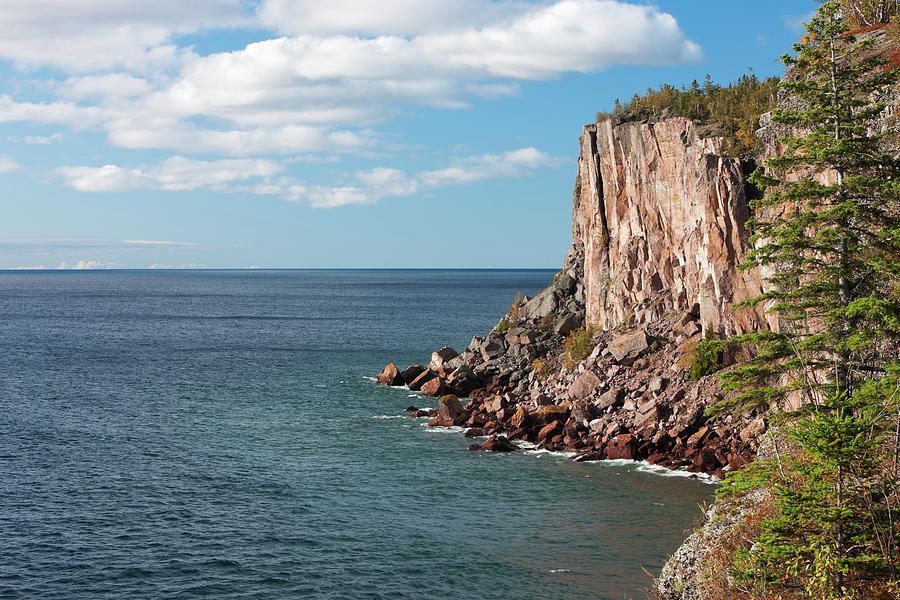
column 411, row 408
column 551, row 413
column 411, row 372
column 422, row 412
column 519, row 419
column 621, row 446
column 439, row 422
column 417, row 383
column 548, row 430
column 498, row 443
column 706, row 461
column 656, row 458
column 440, row 357
column 390, row 376
column 449, row 407
column 474, row 432
column 433, row 387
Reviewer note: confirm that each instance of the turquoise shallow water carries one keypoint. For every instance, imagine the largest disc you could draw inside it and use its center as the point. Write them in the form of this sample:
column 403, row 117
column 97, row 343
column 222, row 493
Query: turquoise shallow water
column 216, row 434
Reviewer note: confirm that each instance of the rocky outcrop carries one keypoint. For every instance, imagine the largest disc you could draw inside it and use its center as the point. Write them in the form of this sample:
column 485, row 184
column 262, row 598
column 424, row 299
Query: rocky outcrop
column 659, row 212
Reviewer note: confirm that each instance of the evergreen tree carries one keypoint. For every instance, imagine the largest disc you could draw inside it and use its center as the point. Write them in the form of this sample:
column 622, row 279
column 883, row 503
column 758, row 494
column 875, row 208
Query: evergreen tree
column 828, row 229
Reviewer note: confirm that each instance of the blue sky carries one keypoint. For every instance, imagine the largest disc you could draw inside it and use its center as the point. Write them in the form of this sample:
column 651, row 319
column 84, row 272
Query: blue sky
column 302, row 133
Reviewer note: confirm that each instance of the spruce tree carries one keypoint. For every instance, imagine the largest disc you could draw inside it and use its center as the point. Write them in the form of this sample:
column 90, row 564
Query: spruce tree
column 828, row 231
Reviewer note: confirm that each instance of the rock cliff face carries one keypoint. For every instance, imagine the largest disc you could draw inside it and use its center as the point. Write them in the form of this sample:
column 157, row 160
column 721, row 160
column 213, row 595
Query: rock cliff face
column 659, row 213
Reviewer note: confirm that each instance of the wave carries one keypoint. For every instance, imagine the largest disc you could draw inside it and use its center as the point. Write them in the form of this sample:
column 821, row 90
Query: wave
column 387, row 417
column 644, row 467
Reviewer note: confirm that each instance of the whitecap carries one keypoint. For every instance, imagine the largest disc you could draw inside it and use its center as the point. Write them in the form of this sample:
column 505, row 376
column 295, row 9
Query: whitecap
column 388, row 417
column 644, row 467
column 451, row 429
column 561, row 571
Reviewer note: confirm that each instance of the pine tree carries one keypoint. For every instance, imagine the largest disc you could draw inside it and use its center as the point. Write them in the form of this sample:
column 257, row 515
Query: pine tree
column 828, row 229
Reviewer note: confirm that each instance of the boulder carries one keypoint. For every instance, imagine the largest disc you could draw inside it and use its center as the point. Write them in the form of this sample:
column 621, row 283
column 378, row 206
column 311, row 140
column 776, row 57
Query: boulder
column 417, row 383
column 519, row 420
column 647, row 416
column 549, row 430
column 551, row 413
column 567, row 324
column 463, row 380
column 433, row 387
column 543, row 304
column 583, row 386
column 390, row 376
column 621, row 446
column 449, row 407
column 498, row 443
column 439, row 357
column 410, row 373
column 611, row 398
column 627, row 347
column 491, row 349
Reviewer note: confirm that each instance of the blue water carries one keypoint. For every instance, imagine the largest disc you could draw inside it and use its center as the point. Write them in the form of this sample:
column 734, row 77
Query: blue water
column 212, row 434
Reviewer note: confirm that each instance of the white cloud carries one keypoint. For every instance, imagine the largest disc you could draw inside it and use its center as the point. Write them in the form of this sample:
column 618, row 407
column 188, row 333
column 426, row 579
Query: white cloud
column 173, row 174
column 166, row 134
column 343, row 65
column 92, row 35
column 110, row 85
column 65, row 113
column 400, row 17
column 37, row 139
column 478, row 168
column 90, row 264
column 8, row 165
column 373, row 185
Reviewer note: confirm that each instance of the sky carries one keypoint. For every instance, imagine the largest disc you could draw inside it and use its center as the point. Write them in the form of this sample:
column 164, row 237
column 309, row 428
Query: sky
column 347, row 133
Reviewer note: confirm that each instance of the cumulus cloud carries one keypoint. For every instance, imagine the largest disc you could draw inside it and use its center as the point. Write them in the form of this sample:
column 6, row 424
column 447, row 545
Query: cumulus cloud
column 94, row 35
column 7, row 165
column 173, row 174
column 342, row 66
column 373, row 185
column 400, row 17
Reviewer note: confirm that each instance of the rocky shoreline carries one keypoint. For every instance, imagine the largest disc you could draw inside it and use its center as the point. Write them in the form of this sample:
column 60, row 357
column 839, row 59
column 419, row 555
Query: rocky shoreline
column 629, row 398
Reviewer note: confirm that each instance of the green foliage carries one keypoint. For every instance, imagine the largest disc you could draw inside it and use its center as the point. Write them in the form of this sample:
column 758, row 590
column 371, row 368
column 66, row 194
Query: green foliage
column 734, row 109
column 831, row 239
column 700, row 360
column 578, row 346
column 503, row 325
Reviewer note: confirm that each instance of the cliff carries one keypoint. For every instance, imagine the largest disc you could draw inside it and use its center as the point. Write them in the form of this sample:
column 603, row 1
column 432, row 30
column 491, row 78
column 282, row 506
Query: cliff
column 659, row 212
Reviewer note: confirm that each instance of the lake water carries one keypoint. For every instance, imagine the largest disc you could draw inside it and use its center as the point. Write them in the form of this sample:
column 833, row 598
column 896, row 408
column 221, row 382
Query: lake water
column 217, row 434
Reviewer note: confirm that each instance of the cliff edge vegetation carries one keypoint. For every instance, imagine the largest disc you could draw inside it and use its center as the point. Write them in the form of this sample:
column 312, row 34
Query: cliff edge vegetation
column 827, row 233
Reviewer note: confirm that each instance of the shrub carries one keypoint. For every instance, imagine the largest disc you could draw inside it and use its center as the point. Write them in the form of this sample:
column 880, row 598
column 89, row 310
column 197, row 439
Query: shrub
column 503, row 325
column 546, row 323
column 578, row 346
column 699, row 360
column 515, row 310
column 541, row 368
